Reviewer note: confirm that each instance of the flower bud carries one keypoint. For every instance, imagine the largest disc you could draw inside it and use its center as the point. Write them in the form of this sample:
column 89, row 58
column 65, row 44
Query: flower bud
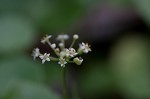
column 75, row 36
column 57, row 50
column 61, row 44
column 53, row 46
column 78, row 61
column 62, row 53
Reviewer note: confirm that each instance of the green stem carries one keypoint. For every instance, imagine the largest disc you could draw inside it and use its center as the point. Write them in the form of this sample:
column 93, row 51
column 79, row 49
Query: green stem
column 49, row 43
column 72, row 43
column 54, row 59
column 64, row 83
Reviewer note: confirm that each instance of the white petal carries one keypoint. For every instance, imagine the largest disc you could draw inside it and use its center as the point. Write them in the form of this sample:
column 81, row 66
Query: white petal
column 43, row 61
column 49, row 36
column 34, row 57
column 65, row 62
column 48, row 55
column 59, row 63
column 86, row 51
column 48, row 59
column 41, row 56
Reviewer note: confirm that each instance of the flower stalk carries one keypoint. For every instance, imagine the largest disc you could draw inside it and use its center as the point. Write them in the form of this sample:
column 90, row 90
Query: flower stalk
column 64, row 55
column 64, row 82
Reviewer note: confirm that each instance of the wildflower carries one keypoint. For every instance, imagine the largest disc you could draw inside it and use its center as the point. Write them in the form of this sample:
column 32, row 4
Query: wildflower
column 71, row 52
column 36, row 53
column 63, row 55
column 45, row 57
column 78, row 61
column 75, row 36
column 85, row 47
column 46, row 39
column 62, row 62
column 62, row 37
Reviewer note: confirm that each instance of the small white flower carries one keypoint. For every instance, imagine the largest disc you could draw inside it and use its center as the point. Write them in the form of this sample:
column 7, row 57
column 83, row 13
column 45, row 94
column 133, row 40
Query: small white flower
column 62, row 37
column 53, row 46
column 85, row 47
column 62, row 62
column 45, row 57
column 46, row 39
column 78, row 61
column 36, row 53
column 75, row 36
column 71, row 52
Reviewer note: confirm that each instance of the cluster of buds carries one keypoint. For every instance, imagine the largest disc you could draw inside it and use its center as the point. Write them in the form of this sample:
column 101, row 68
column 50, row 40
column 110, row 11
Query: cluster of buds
column 64, row 55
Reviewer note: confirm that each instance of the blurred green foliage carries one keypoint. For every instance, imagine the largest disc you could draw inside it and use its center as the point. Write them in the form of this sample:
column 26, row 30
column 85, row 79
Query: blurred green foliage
column 125, row 71
column 131, row 67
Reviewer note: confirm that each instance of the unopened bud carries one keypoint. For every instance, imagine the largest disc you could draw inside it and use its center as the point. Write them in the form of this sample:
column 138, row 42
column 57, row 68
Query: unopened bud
column 53, row 46
column 78, row 61
column 75, row 36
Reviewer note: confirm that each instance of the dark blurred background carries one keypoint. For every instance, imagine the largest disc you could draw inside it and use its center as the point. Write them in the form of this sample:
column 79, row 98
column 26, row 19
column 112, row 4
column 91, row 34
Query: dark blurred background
column 117, row 30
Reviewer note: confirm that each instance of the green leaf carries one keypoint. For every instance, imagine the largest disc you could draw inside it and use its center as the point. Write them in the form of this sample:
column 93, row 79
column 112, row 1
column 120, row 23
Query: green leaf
column 16, row 33
column 18, row 69
column 33, row 91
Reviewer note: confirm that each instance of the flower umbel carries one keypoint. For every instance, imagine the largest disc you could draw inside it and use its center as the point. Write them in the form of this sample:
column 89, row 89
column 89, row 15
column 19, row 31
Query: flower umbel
column 64, row 55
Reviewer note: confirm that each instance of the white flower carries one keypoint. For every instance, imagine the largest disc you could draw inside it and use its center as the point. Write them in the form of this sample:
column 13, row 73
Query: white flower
column 85, row 47
column 71, row 52
column 46, row 39
column 78, row 61
column 53, row 46
column 45, row 57
column 62, row 37
column 75, row 36
column 36, row 53
column 62, row 62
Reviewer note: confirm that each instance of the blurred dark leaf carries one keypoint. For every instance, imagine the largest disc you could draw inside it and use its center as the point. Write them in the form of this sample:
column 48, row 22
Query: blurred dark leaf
column 143, row 7
column 96, row 80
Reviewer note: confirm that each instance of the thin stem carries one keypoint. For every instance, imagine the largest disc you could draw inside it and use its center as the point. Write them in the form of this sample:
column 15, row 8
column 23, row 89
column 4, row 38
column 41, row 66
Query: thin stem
column 63, row 42
column 49, row 43
column 72, row 43
column 64, row 83
column 70, row 61
column 54, row 59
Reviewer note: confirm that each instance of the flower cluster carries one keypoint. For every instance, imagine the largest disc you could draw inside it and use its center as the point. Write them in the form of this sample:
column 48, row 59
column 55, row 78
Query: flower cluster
column 64, row 55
